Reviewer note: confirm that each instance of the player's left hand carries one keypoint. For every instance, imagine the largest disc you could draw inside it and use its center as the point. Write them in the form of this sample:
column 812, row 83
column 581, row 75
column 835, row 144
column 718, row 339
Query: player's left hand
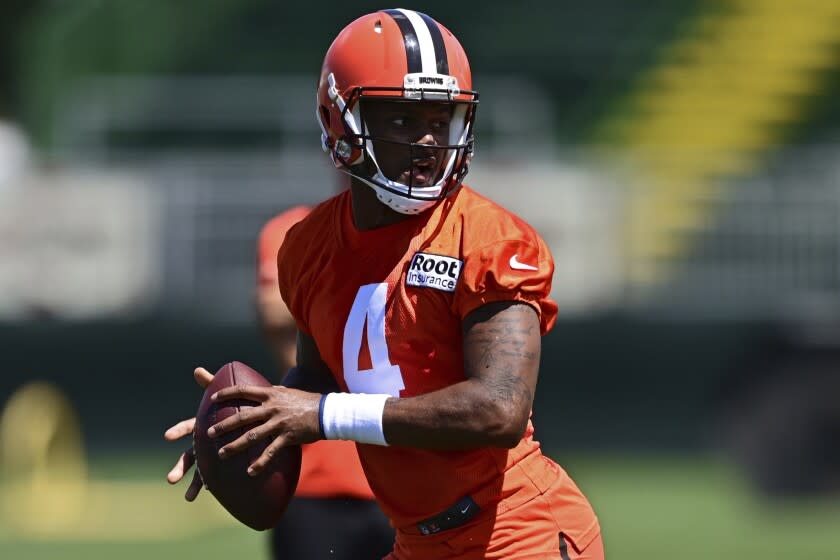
column 285, row 416
column 187, row 458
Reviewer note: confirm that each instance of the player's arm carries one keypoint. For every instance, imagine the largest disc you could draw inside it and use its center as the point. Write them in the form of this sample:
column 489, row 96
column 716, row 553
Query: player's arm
column 311, row 374
column 491, row 407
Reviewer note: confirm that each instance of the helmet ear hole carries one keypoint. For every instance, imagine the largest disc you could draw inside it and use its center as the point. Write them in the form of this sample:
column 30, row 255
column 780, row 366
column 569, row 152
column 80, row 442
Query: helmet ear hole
column 325, row 116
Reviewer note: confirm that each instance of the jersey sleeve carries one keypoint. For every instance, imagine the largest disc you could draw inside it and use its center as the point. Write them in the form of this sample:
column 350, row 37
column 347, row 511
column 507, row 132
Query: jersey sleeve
column 508, row 270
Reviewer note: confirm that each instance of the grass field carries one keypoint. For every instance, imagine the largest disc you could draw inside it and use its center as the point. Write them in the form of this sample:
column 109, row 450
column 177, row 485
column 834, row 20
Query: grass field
column 651, row 508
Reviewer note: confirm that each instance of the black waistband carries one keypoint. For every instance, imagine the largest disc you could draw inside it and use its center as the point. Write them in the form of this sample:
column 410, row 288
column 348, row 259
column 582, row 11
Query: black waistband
column 454, row 516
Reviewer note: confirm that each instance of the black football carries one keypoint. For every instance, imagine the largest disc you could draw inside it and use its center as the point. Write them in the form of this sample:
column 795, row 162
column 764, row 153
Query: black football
column 257, row 501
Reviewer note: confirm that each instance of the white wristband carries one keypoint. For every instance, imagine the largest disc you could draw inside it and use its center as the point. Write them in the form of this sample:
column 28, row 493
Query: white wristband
column 353, row 416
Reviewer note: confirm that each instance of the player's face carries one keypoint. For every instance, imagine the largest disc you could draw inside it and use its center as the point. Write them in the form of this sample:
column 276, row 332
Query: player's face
column 393, row 124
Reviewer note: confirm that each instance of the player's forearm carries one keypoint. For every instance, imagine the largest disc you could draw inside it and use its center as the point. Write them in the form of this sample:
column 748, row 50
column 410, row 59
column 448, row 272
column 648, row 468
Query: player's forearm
column 311, row 373
column 464, row 415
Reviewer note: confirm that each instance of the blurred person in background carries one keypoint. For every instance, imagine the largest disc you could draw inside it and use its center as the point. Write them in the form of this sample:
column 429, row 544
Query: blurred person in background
column 426, row 303
column 332, row 491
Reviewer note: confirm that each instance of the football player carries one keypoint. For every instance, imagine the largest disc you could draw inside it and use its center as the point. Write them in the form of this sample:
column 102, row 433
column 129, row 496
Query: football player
column 425, row 302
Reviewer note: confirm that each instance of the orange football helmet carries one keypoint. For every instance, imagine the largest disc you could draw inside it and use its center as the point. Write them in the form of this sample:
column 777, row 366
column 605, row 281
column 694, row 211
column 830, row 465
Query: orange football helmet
column 402, row 55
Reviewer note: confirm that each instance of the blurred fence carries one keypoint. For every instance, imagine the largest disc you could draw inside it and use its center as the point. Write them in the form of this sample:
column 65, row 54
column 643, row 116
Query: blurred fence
column 181, row 234
column 216, row 157
column 769, row 246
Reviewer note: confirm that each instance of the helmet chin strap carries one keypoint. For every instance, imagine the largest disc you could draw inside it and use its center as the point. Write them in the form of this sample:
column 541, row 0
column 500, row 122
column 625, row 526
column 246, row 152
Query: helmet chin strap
column 399, row 201
column 395, row 202
column 395, row 195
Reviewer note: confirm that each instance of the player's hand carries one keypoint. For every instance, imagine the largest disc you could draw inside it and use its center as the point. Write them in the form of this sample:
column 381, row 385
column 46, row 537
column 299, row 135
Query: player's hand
column 187, row 459
column 285, row 417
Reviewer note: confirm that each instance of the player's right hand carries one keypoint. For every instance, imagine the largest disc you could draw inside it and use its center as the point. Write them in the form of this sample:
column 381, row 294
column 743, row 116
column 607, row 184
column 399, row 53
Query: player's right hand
column 187, row 459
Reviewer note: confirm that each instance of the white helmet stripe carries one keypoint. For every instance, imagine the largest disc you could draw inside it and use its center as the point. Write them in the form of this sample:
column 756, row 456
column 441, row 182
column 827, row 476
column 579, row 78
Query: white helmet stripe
column 424, row 39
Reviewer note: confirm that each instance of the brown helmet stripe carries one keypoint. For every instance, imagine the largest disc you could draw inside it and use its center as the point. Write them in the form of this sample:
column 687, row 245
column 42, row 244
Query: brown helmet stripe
column 440, row 47
column 412, row 45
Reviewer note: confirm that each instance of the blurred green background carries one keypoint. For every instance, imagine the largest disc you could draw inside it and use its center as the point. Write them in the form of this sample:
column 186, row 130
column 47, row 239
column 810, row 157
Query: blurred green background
column 679, row 157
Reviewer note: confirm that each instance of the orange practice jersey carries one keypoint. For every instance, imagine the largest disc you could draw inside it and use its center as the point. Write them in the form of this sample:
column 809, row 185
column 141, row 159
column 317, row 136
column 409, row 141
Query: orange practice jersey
column 385, row 308
column 329, row 468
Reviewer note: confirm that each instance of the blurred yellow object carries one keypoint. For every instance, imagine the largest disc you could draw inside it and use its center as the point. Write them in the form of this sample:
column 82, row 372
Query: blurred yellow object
column 46, row 493
column 43, row 462
column 725, row 93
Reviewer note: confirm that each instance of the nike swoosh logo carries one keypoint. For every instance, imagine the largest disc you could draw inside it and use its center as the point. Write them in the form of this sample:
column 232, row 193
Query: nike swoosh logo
column 465, row 510
column 516, row 265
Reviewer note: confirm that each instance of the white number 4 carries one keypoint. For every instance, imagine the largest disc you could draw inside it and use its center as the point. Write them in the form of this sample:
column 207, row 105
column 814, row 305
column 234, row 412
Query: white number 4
column 384, row 377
